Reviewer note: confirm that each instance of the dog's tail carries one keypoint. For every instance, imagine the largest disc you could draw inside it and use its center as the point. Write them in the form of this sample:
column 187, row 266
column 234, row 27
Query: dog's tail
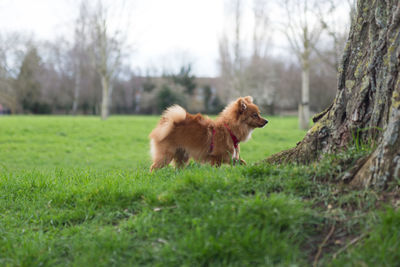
column 171, row 115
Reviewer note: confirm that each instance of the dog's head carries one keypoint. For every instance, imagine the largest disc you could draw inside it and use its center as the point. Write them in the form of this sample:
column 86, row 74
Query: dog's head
column 249, row 113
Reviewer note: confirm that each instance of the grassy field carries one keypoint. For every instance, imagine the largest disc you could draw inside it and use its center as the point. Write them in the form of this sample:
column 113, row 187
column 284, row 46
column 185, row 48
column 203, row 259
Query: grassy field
column 118, row 143
column 77, row 191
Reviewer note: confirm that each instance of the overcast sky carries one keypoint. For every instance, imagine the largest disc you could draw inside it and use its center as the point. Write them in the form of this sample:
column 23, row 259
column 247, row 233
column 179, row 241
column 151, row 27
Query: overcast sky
column 163, row 33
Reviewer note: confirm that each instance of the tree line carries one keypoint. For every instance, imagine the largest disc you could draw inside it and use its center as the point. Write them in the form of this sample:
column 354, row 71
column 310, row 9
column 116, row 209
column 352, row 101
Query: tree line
column 91, row 73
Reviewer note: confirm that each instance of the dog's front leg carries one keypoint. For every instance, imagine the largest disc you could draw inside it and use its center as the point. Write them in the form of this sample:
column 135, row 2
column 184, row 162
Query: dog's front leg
column 237, row 159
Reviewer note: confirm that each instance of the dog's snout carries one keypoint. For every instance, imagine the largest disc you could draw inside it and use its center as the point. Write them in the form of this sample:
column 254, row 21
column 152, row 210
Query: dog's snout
column 263, row 123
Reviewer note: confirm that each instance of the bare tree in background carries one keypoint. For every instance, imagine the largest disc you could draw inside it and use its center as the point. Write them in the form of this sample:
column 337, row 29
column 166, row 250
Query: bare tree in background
column 79, row 51
column 336, row 29
column 261, row 28
column 334, row 16
column 12, row 50
column 247, row 73
column 237, row 9
column 260, row 73
column 109, row 44
column 231, row 54
column 302, row 33
column 225, row 66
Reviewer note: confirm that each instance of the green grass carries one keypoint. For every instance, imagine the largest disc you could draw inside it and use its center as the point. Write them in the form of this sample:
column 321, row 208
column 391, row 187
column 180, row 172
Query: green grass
column 77, row 191
column 118, row 143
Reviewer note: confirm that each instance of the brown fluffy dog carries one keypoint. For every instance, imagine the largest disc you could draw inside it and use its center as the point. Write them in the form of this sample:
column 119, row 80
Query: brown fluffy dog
column 180, row 135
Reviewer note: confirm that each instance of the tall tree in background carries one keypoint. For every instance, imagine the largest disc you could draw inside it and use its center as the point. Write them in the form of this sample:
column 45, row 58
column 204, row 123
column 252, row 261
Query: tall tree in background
column 245, row 66
column 261, row 28
column 27, row 84
column 79, row 51
column 260, row 73
column 336, row 28
column 59, row 75
column 302, row 33
column 11, row 56
column 367, row 103
column 230, row 52
column 109, row 44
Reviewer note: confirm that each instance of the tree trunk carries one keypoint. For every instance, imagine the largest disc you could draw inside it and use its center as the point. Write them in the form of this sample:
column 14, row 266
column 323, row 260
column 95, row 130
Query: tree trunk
column 367, row 103
column 105, row 84
column 77, row 89
column 304, row 107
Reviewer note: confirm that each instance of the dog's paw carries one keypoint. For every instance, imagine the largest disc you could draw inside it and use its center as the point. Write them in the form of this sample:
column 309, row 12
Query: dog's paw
column 239, row 162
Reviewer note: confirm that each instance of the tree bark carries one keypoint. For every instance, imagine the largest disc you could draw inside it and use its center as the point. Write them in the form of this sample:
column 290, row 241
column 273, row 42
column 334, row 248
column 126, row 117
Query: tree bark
column 367, row 103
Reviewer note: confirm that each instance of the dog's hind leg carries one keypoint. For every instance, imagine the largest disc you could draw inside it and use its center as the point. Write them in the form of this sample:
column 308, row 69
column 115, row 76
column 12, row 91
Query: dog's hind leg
column 215, row 161
column 160, row 155
column 161, row 161
column 181, row 158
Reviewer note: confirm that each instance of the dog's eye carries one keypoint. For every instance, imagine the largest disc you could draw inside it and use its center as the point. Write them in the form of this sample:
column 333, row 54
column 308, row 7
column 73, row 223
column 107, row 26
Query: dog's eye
column 255, row 115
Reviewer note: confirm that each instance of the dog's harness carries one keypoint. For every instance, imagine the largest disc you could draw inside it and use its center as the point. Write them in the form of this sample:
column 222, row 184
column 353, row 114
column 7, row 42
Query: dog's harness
column 235, row 140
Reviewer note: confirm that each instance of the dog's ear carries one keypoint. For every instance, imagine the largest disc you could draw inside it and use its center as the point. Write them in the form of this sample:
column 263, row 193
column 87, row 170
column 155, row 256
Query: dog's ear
column 242, row 105
column 249, row 99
